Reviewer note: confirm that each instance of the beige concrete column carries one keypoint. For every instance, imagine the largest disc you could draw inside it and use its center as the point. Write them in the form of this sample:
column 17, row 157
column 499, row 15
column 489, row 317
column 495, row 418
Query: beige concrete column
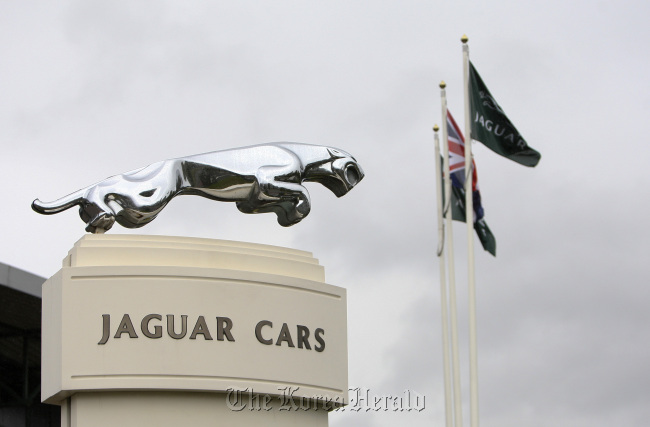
column 154, row 330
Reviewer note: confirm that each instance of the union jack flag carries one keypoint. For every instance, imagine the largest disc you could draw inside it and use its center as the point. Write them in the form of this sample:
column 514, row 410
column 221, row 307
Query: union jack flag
column 457, row 165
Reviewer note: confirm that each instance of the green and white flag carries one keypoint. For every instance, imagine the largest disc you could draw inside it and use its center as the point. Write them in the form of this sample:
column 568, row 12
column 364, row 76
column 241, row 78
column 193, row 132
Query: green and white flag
column 457, row 206
column 492, row 127
column 483, row 232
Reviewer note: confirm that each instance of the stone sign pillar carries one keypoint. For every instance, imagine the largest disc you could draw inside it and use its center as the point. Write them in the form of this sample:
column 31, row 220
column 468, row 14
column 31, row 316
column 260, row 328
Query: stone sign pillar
column 169, row 331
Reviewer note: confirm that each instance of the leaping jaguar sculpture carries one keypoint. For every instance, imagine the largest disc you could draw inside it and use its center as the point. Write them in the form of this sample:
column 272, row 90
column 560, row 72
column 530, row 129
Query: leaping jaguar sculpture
column 261, row 178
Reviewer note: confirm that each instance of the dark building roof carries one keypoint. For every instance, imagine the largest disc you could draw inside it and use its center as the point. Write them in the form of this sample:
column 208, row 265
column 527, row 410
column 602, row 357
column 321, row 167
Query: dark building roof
column 20, row 280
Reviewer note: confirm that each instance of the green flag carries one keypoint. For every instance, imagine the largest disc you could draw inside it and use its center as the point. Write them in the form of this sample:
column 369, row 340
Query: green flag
column 492, row 127
column 483, row 232
column 457, row 207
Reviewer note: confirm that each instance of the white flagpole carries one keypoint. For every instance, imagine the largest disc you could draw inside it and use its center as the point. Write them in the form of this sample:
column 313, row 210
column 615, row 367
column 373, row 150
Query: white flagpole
column 458, row 408
column 443, row 285
column 469, row 216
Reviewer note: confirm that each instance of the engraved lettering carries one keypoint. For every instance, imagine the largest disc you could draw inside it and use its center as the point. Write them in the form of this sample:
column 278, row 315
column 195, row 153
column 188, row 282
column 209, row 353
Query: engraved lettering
column 144, row 325
column 285, row 335
column 201, row 328
column 319, row 338
column 303, row 337
column 106, row 326
column 224, row 325
column 258, row 331
column 170, row 326
column 126, row 327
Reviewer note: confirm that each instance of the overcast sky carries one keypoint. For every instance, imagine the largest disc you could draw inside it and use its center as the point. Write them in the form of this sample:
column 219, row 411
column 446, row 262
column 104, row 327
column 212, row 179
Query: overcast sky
column 90, row 89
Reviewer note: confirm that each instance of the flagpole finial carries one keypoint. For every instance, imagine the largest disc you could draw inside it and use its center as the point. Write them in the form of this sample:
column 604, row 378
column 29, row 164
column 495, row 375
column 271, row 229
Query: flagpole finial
column 464, row 39
column 443, row 84
column 435, row 128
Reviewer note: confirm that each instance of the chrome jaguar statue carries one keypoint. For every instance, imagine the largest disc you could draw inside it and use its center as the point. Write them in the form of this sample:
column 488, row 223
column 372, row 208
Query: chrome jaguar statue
column 261, row 178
